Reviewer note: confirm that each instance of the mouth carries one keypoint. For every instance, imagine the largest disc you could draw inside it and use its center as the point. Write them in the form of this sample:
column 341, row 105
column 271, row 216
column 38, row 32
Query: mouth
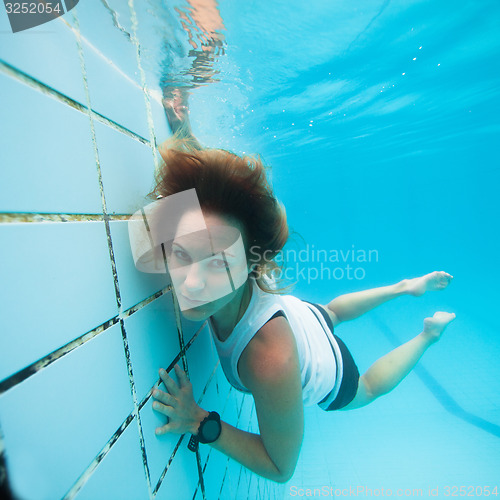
column 192, row 302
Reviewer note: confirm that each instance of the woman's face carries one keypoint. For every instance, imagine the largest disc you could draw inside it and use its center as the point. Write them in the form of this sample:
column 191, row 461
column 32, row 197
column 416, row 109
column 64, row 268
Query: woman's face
column 207, row 267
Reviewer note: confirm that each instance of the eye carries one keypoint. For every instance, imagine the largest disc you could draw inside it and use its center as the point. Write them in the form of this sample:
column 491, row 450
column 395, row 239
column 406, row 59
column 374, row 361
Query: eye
column 218, row 264
column 181, row 255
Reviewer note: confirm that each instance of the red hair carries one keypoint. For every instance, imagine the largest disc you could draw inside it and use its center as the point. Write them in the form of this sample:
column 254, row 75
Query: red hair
column 230, row 185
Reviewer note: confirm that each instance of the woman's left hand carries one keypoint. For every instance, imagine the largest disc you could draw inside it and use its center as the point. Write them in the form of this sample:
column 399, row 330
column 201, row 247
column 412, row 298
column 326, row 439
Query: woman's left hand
column 178, row 404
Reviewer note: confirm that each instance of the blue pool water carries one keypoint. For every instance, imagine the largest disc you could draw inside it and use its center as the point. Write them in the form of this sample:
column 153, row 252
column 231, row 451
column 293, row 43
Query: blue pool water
column 380, row 121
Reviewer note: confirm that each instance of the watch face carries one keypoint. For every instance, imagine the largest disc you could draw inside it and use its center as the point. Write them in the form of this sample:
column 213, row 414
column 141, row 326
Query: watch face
column 211, row 430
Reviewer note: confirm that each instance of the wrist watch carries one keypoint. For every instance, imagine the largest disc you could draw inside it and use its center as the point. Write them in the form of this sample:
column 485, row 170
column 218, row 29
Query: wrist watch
column 208, row 431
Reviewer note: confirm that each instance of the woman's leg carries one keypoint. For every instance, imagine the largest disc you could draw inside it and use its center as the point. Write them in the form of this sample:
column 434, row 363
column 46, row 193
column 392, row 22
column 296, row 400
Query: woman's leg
column 352, row 305
column 388, row 371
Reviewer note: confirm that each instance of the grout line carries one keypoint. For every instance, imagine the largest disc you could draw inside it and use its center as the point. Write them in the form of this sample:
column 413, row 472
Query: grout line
column 201, row 479
column 171, row 367
column 227, row 463
column 170, row 460
column 240, row 412
column 28, row 371
column 148, row 396
column 149, row 114
column 252, row 478
column 136, row 410
column 80, row 482
column 212, row 375
column 219, row 497
column 133, row 309
column 201, row 482
column 153, row 94
column 45, row 89
column 35, row 367
column 239, row 479
column 97, row 161
column 29, row 217
column 5, row 486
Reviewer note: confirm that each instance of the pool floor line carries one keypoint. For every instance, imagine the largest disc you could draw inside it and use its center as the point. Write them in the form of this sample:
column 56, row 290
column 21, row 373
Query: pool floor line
column 439, row 392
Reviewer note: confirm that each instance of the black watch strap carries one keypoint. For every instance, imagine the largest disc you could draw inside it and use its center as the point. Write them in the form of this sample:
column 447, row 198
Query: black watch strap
column 198, row 438
column 193, row 443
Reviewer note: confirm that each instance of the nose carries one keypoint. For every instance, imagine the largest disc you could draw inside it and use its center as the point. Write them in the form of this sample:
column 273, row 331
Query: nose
column 194, row 280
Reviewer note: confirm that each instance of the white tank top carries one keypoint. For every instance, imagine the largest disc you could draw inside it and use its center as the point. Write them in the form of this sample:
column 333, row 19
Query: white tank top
column 319, row 354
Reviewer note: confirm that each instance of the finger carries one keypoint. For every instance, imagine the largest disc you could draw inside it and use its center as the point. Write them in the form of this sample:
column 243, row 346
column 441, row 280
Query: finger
column 163, row 430
column 164, row 397
column 169, row 382
column 182, row 376
column 163, row 409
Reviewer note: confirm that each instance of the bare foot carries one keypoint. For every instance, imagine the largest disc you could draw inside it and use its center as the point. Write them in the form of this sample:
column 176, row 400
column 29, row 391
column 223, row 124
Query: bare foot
column 435, row 326
column 438, row 280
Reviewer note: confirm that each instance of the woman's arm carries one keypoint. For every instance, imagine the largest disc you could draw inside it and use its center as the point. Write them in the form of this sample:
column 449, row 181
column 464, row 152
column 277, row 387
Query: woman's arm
column 269, row 367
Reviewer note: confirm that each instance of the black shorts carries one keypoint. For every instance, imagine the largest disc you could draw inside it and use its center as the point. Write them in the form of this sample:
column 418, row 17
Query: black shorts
column 350, row 373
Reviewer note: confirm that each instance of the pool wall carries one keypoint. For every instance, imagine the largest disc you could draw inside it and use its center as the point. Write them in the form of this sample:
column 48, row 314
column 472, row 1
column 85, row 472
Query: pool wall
column 83, row 332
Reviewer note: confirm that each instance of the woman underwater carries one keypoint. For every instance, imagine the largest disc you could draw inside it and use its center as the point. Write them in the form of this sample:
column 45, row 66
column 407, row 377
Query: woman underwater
column 280, row 349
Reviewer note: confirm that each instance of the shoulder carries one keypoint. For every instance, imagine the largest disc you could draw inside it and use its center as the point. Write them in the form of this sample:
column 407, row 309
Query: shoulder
column 270, row 357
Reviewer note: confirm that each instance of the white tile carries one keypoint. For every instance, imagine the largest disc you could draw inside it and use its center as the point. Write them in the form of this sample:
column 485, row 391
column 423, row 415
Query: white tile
column 231, row 487
column 153, row 34
column 135, row 286
column 230, row 412
column 242, row 488
column 153, row 342
column 47, row 53
column 254, row 486
column 181, row 478
column 159, row 449
column 202, row 358
column 58, row 420
column 214, row 473
column 114, row 95
column 191, row 328
column 57, row 285
column 117, row 7
column 121, row 474
column 106, row 32
column 247, row 409
column 127, row 168
column 47, row 155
